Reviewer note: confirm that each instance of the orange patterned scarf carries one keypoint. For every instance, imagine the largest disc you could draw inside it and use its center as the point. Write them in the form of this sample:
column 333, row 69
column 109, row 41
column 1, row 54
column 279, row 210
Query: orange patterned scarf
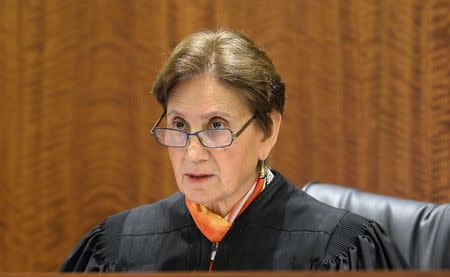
column 215, row 227
column 212, row 225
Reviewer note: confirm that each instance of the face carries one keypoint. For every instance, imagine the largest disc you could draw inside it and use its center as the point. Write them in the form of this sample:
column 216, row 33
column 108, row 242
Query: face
column 215, row 177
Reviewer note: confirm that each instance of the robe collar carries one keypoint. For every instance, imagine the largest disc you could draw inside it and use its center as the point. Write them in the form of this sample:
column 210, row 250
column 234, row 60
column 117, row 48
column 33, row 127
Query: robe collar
column 214, row 226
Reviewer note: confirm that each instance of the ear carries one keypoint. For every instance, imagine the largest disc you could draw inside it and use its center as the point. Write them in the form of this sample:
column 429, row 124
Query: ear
column 268, row 143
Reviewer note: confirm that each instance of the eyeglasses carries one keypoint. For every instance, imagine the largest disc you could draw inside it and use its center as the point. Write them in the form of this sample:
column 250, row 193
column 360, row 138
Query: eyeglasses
column 211, row 138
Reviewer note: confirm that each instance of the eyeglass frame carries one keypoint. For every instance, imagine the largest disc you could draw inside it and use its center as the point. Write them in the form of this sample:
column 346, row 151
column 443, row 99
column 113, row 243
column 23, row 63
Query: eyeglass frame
column 188, row 134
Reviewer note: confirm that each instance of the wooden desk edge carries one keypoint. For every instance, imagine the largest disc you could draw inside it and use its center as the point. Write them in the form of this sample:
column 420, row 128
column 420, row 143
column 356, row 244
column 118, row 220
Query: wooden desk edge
column 239, row 273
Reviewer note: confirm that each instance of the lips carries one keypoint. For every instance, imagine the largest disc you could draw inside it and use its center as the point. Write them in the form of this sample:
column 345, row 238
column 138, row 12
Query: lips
column 198, row 177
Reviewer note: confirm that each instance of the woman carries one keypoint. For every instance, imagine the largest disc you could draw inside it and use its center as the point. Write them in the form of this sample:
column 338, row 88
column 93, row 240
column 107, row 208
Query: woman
column 222, row 102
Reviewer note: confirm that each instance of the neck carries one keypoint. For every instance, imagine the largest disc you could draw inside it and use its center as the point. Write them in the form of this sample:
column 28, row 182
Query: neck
column 224, row 206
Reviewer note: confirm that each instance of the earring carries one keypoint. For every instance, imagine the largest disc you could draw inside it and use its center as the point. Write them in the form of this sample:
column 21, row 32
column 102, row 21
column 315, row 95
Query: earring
column 262, row 173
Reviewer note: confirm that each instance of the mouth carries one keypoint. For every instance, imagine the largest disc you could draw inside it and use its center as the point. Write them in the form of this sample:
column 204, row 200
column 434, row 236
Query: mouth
column 198, row 177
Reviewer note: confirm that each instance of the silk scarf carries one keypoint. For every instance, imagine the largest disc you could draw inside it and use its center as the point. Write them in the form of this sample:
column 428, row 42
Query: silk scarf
column 214, row 226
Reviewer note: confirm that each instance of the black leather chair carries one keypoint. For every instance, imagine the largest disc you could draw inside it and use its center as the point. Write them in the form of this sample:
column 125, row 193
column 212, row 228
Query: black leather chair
column 421, row 230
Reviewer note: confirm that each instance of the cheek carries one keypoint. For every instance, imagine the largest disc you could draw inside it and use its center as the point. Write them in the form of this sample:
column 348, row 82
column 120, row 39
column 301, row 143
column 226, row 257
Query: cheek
column 176, row 158
column 247, row 150
column 238, row 160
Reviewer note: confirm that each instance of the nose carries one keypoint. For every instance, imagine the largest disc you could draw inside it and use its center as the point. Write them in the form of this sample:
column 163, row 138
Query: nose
column 195, row 151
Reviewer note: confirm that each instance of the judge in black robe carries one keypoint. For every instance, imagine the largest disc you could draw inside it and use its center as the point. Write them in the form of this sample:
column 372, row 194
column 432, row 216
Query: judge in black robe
column 223, row 101
column 283, row 229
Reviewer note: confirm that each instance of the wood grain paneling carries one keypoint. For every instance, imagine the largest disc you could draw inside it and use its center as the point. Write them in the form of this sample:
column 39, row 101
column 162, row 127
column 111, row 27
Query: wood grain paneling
column 368, row 104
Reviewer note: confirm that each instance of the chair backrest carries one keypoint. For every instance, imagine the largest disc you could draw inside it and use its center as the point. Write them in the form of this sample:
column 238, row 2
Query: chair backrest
column 421, row 230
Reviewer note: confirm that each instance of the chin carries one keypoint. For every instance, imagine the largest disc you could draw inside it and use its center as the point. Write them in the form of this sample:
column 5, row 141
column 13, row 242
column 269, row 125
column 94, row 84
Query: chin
column 198, row 197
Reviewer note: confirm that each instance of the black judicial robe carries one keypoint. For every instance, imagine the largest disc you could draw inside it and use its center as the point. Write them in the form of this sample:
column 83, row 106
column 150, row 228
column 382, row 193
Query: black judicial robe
column 283, row 229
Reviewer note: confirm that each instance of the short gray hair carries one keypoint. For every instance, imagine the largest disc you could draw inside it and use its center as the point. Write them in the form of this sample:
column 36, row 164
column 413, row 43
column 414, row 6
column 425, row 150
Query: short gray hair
column 232, row 58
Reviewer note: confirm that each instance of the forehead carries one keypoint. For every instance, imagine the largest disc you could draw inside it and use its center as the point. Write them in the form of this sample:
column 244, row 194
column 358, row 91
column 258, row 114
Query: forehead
column 206, row 95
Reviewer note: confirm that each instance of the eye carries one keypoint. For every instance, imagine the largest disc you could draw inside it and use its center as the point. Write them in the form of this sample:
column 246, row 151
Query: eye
column 217, row 124
column 179, row 125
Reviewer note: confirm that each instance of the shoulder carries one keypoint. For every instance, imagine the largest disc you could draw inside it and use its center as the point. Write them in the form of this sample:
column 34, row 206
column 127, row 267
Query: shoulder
column 148, row 217
column 162, row 216
column 98, row 250
column 347, row 233
column 360, row 243
column 348, row 240
column 167, row 215
column 300, row 212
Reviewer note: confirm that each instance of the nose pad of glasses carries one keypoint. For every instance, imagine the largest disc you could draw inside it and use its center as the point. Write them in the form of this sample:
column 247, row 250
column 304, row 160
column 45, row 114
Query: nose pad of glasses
column 199, row 140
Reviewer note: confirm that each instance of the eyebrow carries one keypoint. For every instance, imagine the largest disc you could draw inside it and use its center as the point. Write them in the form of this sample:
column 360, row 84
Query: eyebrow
column 173, row 113
column 205, row 116
column 217, row 113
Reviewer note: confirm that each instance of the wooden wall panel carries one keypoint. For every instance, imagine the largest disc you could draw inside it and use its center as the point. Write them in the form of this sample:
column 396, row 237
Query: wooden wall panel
column 9, row 111
column 367, row 87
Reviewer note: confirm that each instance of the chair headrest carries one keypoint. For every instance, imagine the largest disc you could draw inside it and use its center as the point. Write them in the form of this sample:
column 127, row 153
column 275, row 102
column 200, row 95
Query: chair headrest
column 420, row 229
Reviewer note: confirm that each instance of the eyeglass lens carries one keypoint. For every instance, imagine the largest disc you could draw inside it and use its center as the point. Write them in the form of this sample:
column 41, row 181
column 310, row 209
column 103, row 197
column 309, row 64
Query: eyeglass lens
column 209, row 138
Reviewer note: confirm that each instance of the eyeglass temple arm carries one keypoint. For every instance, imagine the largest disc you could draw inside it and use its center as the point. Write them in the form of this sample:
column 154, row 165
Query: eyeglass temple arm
column 245, row 126
column 159, row 120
